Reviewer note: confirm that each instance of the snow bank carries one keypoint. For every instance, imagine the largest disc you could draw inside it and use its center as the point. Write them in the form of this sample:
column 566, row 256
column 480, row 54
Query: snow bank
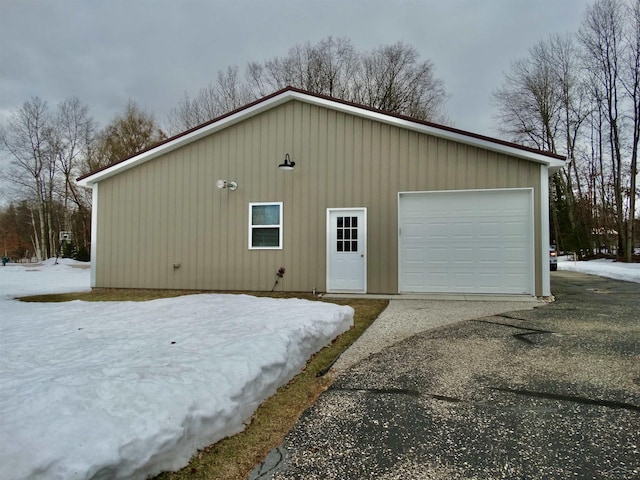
column 629, row 272
column 129, row 389
column 19, row 279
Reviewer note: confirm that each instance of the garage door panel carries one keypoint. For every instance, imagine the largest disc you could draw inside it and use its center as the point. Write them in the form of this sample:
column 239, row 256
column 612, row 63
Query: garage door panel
column 414, row 231
column 434, row 231
column 437, row 263
column 414, row 279
column 490, row 280
column 463, row 280
column 462, row 254
column 466, row 242
column 486, row 228
column 515, row 278
column 414, row 255
column 514, row 255
column 489, row 255
column 438, row 279
column 517, row 230
column 462, row 231
column 435, row 254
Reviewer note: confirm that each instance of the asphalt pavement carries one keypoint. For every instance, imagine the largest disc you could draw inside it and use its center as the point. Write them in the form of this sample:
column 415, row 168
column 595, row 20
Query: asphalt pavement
column 551, row 392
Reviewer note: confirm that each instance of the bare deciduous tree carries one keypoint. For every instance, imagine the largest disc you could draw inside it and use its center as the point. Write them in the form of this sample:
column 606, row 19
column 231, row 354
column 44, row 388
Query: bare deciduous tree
column 609, row 36
column 226, row 94
column 26, row 139
column 540, row 104
column 328, row 68
column 589, row 112
column 599, row 38
column 392, row 79
column 389, row 78
column 74, row 133
column 631, row 83
column 46, row 150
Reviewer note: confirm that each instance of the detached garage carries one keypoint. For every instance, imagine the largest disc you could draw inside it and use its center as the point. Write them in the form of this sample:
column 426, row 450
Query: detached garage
column 343, row 197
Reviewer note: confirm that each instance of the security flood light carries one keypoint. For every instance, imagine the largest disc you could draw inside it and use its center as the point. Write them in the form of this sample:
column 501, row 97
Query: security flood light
column 224, row 184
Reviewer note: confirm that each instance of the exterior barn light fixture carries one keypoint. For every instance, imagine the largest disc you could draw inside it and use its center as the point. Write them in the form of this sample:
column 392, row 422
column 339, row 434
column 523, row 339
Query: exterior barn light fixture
column 224, row 184
column 288, row 164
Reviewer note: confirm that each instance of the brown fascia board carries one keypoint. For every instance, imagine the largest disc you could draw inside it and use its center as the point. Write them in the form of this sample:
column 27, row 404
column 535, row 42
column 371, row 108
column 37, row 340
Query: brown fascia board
column 343, row 102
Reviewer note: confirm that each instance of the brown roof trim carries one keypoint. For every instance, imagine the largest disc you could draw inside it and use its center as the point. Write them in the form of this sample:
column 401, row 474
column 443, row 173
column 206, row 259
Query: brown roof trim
column 335, row 100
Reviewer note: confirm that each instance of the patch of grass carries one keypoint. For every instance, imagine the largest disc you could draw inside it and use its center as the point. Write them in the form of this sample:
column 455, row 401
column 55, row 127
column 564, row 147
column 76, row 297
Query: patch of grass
column 234, row 457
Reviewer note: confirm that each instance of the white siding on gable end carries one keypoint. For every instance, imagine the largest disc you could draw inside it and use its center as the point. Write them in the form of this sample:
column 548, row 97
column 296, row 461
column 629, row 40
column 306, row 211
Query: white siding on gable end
column 477, row 241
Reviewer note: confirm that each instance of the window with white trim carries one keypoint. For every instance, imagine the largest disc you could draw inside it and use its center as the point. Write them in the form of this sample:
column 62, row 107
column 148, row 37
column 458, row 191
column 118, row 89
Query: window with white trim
column 265, row 225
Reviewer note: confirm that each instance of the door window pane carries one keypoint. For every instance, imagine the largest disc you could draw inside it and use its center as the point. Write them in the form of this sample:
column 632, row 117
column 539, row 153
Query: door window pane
column 347, row 234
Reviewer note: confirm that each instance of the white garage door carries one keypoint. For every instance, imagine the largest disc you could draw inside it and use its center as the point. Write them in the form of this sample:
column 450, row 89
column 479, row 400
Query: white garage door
column 475, row 241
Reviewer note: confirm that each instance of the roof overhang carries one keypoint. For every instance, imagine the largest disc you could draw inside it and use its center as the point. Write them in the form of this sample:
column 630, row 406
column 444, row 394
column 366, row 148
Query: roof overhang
column 551, row 161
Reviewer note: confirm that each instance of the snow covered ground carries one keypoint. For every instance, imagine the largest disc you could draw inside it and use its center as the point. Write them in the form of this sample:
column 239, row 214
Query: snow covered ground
column 97, row 390
column 604, row 268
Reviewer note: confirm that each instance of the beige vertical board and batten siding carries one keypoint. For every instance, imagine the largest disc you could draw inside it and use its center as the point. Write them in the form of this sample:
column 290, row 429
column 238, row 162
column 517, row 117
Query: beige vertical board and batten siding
column 168, row 210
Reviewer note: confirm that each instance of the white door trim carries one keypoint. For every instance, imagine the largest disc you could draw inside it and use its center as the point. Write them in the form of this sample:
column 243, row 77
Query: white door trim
column 362, row 249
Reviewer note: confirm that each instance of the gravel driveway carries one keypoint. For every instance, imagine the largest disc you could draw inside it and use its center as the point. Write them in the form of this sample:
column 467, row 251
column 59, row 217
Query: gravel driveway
column 546, row 393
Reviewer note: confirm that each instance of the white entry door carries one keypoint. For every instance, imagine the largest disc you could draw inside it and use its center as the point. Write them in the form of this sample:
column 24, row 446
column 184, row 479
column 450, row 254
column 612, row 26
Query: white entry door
column 347, row 250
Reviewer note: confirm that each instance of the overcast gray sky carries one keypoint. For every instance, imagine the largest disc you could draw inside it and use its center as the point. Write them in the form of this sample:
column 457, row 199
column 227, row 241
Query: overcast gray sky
column 153, row 51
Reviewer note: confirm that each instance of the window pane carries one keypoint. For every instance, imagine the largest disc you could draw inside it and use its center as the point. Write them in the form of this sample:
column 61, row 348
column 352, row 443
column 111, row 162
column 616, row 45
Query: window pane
column 346, row 246
column 340, row 234
column 354, row 246
column 354, row 234
column 347, row 234
column 347, row 222
column 339, row 246
column 340, row 222
column 265, row 215
column 354, row 221
column 265, row 237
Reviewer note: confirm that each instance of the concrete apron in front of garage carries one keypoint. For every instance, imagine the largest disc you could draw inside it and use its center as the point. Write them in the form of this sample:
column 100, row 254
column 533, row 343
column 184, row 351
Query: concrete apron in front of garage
column 545, row 393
